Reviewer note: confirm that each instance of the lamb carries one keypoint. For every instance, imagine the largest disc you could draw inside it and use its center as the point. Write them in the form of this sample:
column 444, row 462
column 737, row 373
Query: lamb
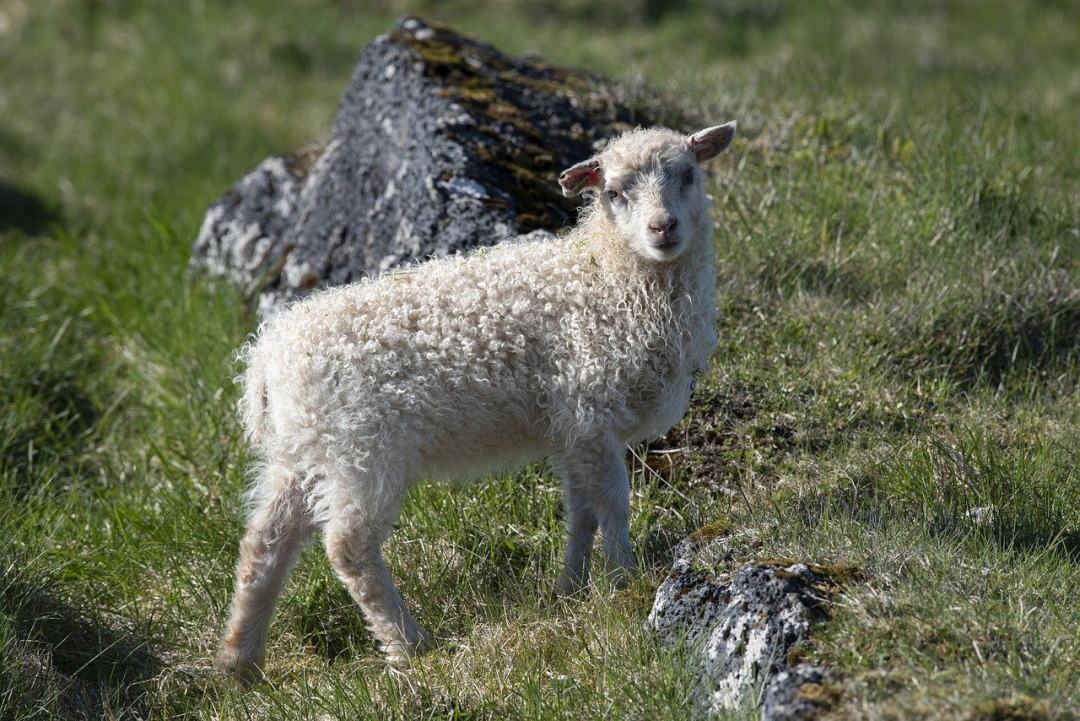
column 566, row 349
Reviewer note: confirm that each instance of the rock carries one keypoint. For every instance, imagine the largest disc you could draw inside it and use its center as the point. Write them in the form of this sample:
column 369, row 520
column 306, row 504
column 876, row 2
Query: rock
column 740, row 628
column 441, row 143
column 797, row 693
column 242, row 233
column 981, row 516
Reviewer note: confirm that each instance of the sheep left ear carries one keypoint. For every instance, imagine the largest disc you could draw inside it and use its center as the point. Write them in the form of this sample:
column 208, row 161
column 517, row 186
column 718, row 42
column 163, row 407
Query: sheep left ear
column 580, row 177
column 708, row 143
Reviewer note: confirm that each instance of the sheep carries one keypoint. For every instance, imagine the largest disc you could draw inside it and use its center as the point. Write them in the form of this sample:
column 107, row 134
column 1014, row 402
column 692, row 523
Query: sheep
column 565, row 349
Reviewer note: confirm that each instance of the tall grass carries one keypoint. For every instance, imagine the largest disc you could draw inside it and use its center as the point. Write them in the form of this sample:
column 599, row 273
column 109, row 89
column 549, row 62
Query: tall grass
column 895, row 387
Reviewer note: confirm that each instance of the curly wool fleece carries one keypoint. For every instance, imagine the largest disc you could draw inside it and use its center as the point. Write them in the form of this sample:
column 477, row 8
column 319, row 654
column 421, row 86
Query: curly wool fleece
column 567, row 348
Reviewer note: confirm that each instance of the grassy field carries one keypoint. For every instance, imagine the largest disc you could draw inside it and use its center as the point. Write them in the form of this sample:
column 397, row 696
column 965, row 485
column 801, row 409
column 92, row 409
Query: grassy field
column 899, row 252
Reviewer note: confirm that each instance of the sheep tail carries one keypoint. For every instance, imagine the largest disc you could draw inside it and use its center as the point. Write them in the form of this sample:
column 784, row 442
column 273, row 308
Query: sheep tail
column 253, row 401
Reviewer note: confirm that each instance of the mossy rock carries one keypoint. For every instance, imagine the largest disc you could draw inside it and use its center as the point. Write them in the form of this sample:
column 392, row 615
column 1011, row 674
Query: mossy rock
column 441, row 143
column 711, row 531
column 840, row 574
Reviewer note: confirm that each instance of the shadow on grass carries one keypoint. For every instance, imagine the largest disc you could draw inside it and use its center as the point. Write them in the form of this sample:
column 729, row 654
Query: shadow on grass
column 56, row 420
column 67, row 664
column 790, row 269
column 326, row 619
column 1022, row 321
column 736, row 17
column 1016, row 500
column 23, row 211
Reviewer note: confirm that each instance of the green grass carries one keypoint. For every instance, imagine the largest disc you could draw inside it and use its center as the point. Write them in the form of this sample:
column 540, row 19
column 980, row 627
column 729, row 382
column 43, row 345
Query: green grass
column 896, row 387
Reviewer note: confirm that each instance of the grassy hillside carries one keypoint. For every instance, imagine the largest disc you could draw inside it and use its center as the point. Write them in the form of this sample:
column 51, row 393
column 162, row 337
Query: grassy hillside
column 899, row 249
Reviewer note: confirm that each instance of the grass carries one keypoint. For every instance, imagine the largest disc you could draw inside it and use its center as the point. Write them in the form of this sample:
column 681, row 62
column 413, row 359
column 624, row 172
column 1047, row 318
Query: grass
column 896, row 389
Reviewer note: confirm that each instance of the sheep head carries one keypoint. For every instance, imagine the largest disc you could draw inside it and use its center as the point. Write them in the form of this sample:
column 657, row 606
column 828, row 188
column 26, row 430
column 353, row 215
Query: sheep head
column 649, row 184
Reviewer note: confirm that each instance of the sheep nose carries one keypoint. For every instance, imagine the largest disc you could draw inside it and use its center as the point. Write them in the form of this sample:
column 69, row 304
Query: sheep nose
column 663, row 225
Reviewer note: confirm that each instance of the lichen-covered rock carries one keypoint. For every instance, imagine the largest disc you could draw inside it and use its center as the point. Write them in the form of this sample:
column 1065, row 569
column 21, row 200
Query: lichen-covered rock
column 797, row 693
column 739, row 629
column 242, row 233
column 441, row 143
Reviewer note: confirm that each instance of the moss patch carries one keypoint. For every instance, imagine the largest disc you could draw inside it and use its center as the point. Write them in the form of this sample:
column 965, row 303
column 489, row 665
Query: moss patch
column 713, row 530
column 820, row 694
column 834, row 575
column 1021, row 708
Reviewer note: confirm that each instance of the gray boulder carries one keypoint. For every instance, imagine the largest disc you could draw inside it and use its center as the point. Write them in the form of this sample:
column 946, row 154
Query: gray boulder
column 441, row 143
column 740, row 629
column 242, row 236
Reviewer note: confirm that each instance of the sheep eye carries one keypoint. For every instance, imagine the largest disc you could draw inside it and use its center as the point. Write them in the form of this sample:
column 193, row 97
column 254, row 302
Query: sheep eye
column 688, row 177
column 613, row 194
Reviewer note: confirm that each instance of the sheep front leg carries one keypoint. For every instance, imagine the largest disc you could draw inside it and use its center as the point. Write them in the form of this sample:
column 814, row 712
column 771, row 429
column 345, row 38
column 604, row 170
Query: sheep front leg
column 598, row 494
column 581, row 525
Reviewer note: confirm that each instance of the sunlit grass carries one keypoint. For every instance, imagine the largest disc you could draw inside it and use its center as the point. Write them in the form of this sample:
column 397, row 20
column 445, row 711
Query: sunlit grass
column 895, row 388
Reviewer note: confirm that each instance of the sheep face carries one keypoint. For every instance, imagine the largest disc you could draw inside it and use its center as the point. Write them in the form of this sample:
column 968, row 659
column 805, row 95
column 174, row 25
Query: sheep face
column 649, row 184
column 656, row 205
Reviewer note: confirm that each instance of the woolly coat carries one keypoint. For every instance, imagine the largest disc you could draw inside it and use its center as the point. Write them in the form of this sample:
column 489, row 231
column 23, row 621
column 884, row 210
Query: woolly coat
column 472, row 363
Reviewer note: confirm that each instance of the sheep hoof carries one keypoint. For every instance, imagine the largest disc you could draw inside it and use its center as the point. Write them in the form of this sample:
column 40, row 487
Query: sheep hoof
column 247, row 673
column 570, row 588
column 621, row 577
column 400, row 653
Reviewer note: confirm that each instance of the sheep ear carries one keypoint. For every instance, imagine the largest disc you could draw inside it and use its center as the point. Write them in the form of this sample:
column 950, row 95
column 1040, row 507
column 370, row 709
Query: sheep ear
column 580, row 177
column 709, row 142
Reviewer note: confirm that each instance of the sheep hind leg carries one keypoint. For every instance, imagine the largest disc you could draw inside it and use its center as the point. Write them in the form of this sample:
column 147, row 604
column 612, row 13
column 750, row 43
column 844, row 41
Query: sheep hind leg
column 276, row 532
column 354, row 547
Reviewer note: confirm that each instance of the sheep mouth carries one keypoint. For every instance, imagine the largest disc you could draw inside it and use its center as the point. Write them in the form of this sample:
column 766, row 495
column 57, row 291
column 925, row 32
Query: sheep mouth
column 666, row 243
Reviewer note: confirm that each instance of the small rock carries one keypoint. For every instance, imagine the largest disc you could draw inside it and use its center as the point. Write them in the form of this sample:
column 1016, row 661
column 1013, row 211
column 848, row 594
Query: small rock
column 981, row 516
column 739, row 628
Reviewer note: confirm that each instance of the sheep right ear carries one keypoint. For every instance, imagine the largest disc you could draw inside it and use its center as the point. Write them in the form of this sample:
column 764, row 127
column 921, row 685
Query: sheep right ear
column 580, row 177
column 709, row 142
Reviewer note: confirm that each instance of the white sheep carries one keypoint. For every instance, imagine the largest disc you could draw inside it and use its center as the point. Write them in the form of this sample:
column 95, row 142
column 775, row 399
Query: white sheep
column 566, row 349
